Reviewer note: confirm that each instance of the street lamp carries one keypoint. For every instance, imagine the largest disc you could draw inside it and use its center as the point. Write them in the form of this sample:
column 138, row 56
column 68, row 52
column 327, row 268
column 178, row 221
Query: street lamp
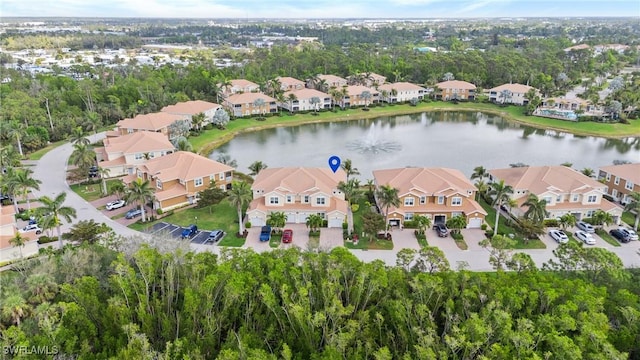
column 196, row 220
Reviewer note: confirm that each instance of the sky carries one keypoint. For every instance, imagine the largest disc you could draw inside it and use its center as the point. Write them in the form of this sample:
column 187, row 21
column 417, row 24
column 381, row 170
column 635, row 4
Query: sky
column 318, row 8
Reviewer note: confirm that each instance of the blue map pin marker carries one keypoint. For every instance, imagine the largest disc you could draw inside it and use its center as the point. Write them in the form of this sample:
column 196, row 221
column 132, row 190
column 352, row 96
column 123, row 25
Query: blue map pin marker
column 334, row 163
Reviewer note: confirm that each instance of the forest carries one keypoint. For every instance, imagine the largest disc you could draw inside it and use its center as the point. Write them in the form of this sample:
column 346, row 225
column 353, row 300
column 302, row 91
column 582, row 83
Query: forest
column 92, row 302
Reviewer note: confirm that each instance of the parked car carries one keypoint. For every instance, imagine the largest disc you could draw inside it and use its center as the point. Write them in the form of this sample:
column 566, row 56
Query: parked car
column 441, row 229
column 287, row 236
column 585, row 227
column 215, row 236
column 630, row 233
column 115, row 204
column 620, row 235
column 189, row 231
column 133, row 213
column 265, row 233
column 93, row 171
column 30, row 228
column 585, row 237
column 559, row 236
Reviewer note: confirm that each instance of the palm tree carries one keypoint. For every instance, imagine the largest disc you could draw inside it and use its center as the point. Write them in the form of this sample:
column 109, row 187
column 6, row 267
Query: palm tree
column 11, row 187
column 83, row 157
column 422, row 223
column 118, row 189
column 240, row 196
column 259, row 104
column 482, row 187
column 182, row 144
column 23, row 183
column 16, row 131
column 314, row 101
column 256, row 167
column 53, row 211
column 348, row 168
column 18, row 241
column 77, row 136
column 104, row 173
column 457, row 223
column 314, row 221
column 537, row 209
column 500, row 193
column 8, row 157
column 277, row 219
column 601, row 218
column 387, row 196
column 588, row 172
column 14, row 308
column 343, row 93
column 448, row 76
column 291, row 98
column 140, row 192
column 366, row 96
column 479, row 172
column 567, row 220
column 634, row 206
column 352, row 193
column 197, row 121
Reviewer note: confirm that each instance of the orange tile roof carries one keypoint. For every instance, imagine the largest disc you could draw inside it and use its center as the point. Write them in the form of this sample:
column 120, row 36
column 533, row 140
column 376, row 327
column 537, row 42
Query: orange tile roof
column 307, row 94
column 173, row 192
column 298, row 180
column 242, row 83
column 150, row 122
column 455, row 84
column 429, row 181
column 400, row 86
column 289, row 81
column 514, row 88
column 629, row 172
column 183, row 165
column 249, row 98
column 332, row 78
column 539, row 179
column 335, row 204
column 356, row 90
column 137, row 142
column 190, row 107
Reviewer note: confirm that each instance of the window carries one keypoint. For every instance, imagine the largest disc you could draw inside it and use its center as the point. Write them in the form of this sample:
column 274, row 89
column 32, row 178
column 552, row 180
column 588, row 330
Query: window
column 306, row 199
column 198, row 182
column 408, row 201
column 158, row 184
column 456, row 201
column 628, row 185
column 559, row 198
column 423, row 200
column 212, row 178
column 440, row 199
column 591, row 199
column 616, row 180
column 590, row 213
column 614, row 193
column 547, row 199
column 289, row 198
column 151, row 155
column 129, row 131
column 139, row 156
column 608, row 177
column 576, row 197
column 320, row 201
column 221, row 176
column 322, row 215
column 274, row 200
column 408, row 216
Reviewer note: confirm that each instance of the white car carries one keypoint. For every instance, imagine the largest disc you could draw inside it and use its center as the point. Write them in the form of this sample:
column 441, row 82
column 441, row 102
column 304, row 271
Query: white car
column 559, row 236
column 115, row 204
column 585, row 227
column 585, row 237
column 32, row 227
column 630, row 233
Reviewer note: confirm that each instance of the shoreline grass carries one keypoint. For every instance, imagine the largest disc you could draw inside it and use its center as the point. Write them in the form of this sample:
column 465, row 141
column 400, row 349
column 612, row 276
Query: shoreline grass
column 209, row 140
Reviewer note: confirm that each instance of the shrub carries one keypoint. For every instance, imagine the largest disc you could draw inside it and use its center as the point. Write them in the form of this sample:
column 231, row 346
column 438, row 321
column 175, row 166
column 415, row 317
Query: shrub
column 46, row 239
column 325, row 223
column 410, row 224
column 488, row 234
column 159, row 211
column 355, row 207
column 551, row 223
column 247, row 224
column 345, row 226
column 483, row 227
column 457, row 236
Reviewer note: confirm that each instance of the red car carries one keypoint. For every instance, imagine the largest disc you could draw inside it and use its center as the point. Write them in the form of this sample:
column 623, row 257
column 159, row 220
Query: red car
column 287, row 236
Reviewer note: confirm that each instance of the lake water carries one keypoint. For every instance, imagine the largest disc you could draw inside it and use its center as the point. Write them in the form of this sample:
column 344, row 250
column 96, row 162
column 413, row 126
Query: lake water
column 459, row 140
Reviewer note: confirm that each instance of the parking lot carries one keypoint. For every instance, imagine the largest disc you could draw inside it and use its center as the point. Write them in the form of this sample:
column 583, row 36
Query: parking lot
column 175, row 232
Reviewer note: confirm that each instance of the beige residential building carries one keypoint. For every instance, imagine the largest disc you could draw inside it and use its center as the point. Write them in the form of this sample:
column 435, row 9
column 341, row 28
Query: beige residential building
column 510, row 94
column 367, row 79
column 178, row 178
column 8, row 230
column 248, row 104
column 401, row 92
column 565, row 190
column 303, row 100
column 455, row 90
column 437, row 193
column 121, row 155
column 288, row 83
column 621, row 180
column 239, row 86
column 191, row 108
column 355, row 97
column 298, row 192
column 332, row 81
column 153, row 122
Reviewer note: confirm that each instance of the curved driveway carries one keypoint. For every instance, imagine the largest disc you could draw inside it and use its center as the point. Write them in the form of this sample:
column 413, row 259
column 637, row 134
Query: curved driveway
column 51, row 170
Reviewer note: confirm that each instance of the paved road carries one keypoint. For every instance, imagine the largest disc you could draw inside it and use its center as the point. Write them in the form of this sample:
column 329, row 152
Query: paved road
column 51, row 170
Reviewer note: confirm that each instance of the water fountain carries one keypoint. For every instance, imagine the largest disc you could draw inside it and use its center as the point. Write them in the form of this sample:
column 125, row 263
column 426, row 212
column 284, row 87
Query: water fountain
column 372, row 144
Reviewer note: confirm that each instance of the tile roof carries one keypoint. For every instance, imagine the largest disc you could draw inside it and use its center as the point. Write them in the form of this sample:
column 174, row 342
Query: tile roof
column 429, row 181
column 629, row 172
column 400, row 86
column 249, row 98
column 173, row 192
column 190, row 107
column 242, row 83
column 456, row 84
column 298, row 180
column 331, row 78
column 137, row 142
column 335, row 204
column 307, row 94
column 540, row 179
column 289, row 81
column 151, row 122
column 356, row 90
column 183, row 165
column 514, row 88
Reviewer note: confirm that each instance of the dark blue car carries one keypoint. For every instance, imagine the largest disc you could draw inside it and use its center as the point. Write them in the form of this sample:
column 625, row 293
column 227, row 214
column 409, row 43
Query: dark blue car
column 189, row 231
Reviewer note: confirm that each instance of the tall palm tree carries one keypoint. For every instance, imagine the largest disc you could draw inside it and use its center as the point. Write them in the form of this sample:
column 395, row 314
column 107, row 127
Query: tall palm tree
column 537, row 209
column 314, row 101
column 256, row 167
column 14, row 308
column 53, row 211
column 259, row 104
column 18, row 241
column 314, row 221
column 104, row 174
column 352, row 193
column 240, row 196
column 387, row 196
column 277, row 219
column 11, row 187
column 140, row 192
column 22, row 181
column 8, row 157
column 16, row 131
column 197, row 121
column 479, row 172
column 291, row 98
column 83, row 157
column 78, row 136
column 588, row 172
column 482, row 187
column 634, row 206
column 348, row 168
column 117, row 188
column 501, row 193
column 366, row 96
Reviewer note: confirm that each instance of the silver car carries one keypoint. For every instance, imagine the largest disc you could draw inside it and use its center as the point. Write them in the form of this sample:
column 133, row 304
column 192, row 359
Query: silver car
column 585, row 227
column 559, row 236
column 630, row 233
column 585, row 237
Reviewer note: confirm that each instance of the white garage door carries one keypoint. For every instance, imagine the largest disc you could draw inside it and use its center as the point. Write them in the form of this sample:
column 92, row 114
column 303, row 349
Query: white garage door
column 334, row 223
column 474, row 223
column 257, row 220
column 291, row 217
column 302, row 218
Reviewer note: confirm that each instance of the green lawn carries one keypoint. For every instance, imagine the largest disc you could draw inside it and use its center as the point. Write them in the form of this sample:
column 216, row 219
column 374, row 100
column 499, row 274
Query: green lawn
column 503, row 228
column 37, row 155
column 222, row 216
column 91, row 192
column 276, row 240
column 629, row 218
column 365, row 244
column 208, row 140
column 608, row 238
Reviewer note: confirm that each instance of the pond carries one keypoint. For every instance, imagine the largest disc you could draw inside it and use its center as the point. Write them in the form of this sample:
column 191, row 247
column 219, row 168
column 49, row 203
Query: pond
column 459, row 140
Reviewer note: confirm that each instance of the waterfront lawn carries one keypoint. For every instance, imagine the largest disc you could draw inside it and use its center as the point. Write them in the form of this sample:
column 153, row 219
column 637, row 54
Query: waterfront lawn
column 503, row 228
